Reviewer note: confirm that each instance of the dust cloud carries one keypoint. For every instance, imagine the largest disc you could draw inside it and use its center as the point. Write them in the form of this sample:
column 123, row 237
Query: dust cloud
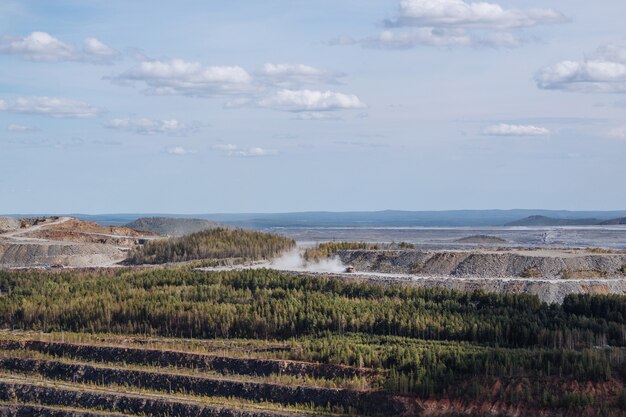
column 293, row 261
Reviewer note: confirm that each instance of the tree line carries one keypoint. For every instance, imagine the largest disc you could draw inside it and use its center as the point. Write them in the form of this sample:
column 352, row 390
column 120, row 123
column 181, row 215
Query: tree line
column 218, row 243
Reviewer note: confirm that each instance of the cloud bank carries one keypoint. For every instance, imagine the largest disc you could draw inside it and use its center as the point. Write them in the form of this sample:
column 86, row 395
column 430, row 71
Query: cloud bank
column 455, row 23
column 462, row 14
column 603, row 72
column 311, row 100
column 179, row 77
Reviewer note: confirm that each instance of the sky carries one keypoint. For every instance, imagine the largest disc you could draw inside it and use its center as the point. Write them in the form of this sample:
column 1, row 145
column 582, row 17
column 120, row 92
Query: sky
column 244, row 106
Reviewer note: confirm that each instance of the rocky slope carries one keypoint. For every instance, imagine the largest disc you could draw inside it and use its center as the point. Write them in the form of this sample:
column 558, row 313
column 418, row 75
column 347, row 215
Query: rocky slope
column 549, row 274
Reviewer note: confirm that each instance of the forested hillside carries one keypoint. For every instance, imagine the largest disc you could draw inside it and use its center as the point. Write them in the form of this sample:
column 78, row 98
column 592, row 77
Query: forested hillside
column 425, row 338
column 219, row 243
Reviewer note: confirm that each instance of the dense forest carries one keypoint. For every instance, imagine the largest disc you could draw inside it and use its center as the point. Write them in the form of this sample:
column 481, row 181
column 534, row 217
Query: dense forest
column 218, row 243
column 431, row 341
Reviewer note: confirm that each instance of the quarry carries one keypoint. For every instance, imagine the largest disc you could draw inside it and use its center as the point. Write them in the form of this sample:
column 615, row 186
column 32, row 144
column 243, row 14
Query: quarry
column 55, row 242
column 482, row 262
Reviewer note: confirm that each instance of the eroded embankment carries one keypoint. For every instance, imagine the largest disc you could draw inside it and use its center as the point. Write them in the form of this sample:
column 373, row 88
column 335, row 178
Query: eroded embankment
column 196, row 361
column 485, row 264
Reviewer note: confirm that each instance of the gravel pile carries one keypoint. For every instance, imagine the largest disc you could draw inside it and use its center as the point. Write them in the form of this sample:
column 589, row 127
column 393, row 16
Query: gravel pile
column 9, row 223
column 538, row 264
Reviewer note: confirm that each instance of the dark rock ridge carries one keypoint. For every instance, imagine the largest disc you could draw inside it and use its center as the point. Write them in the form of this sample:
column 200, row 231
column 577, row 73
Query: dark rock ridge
column 370, row 401
column 155, row 357
column 124, row 403
column 23, row 410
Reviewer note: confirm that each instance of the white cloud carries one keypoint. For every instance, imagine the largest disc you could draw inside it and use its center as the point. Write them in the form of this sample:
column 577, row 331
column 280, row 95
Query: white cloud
column 604, row 72
column 234, row 150
column 179, row 150
column 310, row 100
column 41, row 46
column 225, row 147
column 515, row 130
column 146, row 126
column 455, row 23
column 14, row 127
column 422, row 36
column 462, row 14
column 50, row 106
column 294, row 74
column 3, row 105
column 618, row 132
column 442, row 37
column 256, row 151
column 93, row 46
column 180, row 77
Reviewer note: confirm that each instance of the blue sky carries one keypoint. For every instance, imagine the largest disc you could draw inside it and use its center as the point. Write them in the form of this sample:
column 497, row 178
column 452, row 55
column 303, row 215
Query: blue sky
column 242, row 106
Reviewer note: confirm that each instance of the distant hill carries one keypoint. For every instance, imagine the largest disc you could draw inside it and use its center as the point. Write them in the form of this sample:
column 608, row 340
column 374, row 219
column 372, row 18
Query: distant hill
column 551, row 221
column 386, row 218
column 481, row 239
column 620, row 220
column 167, row 226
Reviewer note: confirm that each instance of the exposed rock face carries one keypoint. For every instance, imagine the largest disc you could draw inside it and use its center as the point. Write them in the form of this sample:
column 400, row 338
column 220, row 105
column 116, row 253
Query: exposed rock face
column 548, row 264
